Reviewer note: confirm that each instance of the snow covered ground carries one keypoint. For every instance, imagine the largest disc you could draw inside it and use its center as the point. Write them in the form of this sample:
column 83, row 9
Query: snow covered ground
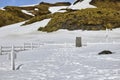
column 1, row 8
column 82, row 5
column 19, row 29
column 26, row 12
column 63, row 62
column 57, row 9
column 58, row 58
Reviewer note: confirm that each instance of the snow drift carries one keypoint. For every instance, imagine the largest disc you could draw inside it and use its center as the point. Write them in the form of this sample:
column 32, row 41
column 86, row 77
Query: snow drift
column 82, row 5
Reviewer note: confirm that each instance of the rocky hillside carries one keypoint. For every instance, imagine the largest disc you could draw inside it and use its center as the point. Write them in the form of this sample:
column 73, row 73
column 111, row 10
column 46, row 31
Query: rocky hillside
column 14, row 14
column 113, row 4
column 87, row 19
column 82, row 14
column 95, row 1
column 106, row 15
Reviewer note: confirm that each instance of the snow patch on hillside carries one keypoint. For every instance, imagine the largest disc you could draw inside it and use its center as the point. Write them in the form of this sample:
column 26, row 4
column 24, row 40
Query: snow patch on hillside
column 82, row 5
column 57, row 9
column 36, row 9
column 2, row 8
column 18, row 29
column 28, row 13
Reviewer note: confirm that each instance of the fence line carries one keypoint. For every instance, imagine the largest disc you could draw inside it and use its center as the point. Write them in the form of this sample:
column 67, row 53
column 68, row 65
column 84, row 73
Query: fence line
column 12, row 50
column 32, row 45
column 25, row 46
column 103, row 43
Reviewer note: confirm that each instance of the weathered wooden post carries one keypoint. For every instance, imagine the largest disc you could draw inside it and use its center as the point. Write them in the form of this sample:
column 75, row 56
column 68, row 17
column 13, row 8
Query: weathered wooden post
column 0, row 50
column 12, row 57
column 23, row 46
column 78, row 42
column 31, row 46
column 40, row 44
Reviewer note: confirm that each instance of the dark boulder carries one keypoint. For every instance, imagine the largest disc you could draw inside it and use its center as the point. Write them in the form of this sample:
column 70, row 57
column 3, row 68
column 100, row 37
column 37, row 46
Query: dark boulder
column 56, row 4
column 63, row 4
column 105, row 52
column 77, row 1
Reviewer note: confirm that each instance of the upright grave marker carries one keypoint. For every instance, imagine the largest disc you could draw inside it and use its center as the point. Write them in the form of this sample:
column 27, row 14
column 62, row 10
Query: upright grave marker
column 78, row 42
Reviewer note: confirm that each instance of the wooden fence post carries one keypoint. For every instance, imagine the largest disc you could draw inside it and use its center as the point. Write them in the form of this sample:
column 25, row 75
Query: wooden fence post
column 31, row 46
column 23, row 46
column 0, row 50
column 12, row 58
column 39, row 44
column 78, row 42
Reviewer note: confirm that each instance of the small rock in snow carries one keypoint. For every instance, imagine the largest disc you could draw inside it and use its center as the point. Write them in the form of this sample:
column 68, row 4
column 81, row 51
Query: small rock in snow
column 105, row 52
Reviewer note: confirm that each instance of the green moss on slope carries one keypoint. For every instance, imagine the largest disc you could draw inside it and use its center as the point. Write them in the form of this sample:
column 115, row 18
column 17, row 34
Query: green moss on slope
column 8, row 18
column 16, row 11
column 110, row 4
column 44, row 7
column 87, row 19
column 37, row 18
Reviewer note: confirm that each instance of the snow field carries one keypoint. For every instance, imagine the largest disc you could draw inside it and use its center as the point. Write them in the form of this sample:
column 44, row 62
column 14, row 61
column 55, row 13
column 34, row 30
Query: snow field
column 51, row 62
column 18, row 29
column 57, row 9
column 58, row 58
column 28, row 13
column 82, row 5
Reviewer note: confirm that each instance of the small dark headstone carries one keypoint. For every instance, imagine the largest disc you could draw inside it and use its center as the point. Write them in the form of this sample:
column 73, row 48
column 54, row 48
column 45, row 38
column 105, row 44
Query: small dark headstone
column 78, row 42
column 105, row 52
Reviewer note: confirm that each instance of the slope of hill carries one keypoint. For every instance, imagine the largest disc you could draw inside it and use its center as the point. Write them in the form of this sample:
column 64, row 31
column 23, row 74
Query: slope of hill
column 113, row 4
column 81, row 4
column 17, row 29
column 7, row 18
column 61, row 8
column 26, row 12
column 104, row 14
column 87, row 19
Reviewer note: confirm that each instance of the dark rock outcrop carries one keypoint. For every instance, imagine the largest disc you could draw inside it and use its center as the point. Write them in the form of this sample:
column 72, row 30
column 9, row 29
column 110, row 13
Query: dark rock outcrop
column 105, row 52
column 56, row 4
column 77, row 1
column 94, row 1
